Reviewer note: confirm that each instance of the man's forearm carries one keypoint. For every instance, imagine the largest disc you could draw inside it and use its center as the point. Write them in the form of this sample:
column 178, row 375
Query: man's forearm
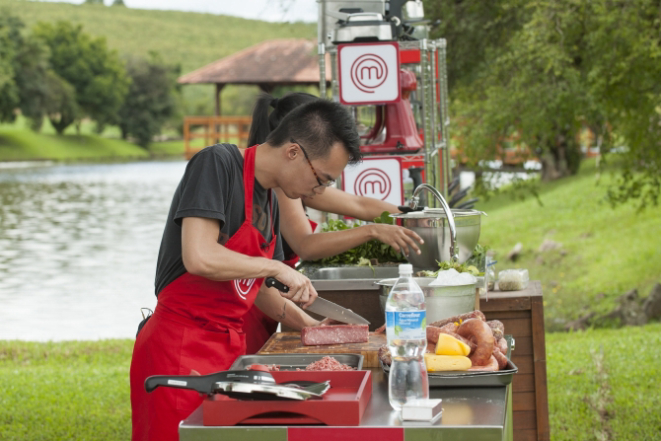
column 271, row 303
column 321, row 245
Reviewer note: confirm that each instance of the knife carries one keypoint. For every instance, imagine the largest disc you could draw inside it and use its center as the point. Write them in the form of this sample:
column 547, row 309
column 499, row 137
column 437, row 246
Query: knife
column 322, row 306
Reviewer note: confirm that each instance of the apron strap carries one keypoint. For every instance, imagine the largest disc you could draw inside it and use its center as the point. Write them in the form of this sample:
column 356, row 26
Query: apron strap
column 249, row 187
column 249, row 181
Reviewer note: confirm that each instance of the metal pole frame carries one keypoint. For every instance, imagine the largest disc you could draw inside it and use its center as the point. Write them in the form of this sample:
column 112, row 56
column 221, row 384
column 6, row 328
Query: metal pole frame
column 321, row 50
column 434, row 114
column 444, row 113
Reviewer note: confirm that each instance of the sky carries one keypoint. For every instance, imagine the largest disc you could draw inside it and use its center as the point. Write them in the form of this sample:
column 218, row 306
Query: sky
column 267, row 10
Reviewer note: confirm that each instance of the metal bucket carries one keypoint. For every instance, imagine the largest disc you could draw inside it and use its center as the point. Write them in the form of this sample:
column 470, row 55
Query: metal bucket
column 441, row 301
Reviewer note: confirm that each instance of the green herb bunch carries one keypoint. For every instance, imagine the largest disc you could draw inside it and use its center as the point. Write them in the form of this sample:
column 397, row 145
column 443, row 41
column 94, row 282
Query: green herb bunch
column 373, row 250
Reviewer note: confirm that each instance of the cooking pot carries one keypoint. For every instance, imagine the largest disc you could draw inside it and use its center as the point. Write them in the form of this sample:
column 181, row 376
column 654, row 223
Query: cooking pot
column 449, row 235
column 441, row 301
column 433, row 227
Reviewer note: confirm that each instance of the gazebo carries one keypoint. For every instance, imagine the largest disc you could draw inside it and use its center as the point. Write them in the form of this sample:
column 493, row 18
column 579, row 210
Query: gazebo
column 284, row 62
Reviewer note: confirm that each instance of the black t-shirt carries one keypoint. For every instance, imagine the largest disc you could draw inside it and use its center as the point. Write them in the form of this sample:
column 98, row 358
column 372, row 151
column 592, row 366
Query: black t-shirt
column 286, row 249
column 212, row 187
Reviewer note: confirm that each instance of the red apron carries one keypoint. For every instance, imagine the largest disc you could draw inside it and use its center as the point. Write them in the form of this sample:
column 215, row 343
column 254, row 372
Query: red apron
column 197, row 325
column 258, row 326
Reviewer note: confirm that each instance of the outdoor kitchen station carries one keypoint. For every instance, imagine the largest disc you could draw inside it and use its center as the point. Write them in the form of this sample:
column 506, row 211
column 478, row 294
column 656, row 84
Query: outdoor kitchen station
column 384, row 67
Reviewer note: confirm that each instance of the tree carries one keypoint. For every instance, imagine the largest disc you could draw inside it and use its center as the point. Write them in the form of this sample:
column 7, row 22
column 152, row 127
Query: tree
column 534, row 87
column 60, row 106
column 10, row 28
column 554, row 68
column 151, row 100
column 625, row 72
column 34, row 78
column 96, row 73
column 475, row 31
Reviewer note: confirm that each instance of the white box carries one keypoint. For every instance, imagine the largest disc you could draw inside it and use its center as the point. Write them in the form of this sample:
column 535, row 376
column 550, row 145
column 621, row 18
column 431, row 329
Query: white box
column 422, row 410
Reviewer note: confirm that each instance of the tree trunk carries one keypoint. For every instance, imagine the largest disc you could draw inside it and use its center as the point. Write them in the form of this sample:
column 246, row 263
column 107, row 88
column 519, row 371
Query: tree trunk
column 60, row 121
column 59, row 125
column 561, row 159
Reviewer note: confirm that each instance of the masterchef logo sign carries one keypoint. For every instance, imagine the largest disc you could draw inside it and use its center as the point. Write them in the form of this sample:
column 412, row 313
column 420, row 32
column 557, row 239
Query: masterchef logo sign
column 379, row 178
column 243, row 287
column 374, row 183
column 369, row 73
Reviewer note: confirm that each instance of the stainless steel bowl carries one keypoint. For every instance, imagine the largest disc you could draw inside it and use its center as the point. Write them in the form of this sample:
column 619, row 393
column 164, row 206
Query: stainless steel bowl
column 441, row 301
column 433, row 227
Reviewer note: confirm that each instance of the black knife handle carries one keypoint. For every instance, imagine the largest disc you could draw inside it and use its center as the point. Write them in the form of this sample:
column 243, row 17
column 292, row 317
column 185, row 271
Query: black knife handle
column 272, row 282
column 201, row 384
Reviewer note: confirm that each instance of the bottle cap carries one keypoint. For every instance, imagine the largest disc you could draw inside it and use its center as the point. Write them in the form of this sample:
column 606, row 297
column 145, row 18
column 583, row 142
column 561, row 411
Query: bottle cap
column 405, row 268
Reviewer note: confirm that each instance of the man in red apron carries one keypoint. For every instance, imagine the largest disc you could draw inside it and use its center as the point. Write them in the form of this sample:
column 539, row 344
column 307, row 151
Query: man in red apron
column 218, row 245
column 258, row 326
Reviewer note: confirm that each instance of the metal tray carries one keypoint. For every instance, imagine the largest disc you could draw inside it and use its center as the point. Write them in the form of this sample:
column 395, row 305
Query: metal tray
column 469, row 378
column 291, row 362
column 472, row 378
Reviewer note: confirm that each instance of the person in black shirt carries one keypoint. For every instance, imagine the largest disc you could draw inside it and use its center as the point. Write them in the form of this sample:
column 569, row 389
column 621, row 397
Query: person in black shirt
column 220, row 241
column 297, row 231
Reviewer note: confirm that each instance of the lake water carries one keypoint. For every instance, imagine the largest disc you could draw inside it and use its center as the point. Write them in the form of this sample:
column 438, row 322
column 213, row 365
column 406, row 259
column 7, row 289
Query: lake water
column 78, row 247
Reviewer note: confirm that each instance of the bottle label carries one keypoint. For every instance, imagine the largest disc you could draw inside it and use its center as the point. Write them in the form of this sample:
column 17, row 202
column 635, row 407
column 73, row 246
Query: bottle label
column 406, row 325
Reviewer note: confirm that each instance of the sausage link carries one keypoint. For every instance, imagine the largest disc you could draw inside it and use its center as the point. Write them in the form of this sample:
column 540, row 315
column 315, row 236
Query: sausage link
column 502, row 345
column 490, row 365
column 432, row 333
column 480, row 332
column 500, row 358
column 497, row 328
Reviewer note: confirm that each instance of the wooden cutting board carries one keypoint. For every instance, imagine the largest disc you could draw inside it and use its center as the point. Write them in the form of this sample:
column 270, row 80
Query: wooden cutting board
column 290, row 343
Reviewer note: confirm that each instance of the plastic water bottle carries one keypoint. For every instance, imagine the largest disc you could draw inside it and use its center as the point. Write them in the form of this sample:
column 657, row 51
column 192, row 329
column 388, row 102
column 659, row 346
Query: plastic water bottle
column 407, row 340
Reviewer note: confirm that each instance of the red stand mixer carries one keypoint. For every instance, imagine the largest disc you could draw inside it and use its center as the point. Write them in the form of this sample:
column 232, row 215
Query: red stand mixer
column 401, row 132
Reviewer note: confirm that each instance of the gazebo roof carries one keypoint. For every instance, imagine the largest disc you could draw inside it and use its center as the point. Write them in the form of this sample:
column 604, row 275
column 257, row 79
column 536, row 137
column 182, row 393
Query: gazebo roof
column 282, row 62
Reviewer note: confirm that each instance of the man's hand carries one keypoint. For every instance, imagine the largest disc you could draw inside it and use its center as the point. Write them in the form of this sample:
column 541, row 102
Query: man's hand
column 399, row 238
column 301, row 290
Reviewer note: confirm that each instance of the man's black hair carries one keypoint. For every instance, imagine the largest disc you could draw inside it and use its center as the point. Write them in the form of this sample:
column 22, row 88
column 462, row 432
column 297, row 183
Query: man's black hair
column 318, row 125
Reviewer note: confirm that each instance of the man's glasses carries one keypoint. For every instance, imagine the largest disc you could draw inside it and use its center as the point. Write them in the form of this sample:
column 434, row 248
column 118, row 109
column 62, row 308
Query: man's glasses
column 321, row 184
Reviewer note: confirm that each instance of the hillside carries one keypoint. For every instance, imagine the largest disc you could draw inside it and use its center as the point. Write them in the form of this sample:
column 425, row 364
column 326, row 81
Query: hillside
column 191, row 39
column 25, row 145
column 604, row 252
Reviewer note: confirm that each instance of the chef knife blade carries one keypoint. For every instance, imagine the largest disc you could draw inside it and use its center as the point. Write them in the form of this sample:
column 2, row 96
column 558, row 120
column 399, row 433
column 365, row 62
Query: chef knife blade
column 323, row 307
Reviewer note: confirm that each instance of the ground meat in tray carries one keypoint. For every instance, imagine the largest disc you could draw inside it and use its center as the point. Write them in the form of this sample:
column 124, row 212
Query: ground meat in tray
column 293, row 362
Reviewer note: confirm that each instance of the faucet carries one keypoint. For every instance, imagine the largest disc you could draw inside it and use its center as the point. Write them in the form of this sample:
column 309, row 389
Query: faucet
column 448, row 213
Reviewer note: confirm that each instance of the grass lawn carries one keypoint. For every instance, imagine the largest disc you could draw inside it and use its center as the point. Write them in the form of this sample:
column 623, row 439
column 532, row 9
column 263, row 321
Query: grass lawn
column 63, row 391
column 601, row 386
column 605, row 252
column 19, row 143
column 23, row 144
column 167, row 148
